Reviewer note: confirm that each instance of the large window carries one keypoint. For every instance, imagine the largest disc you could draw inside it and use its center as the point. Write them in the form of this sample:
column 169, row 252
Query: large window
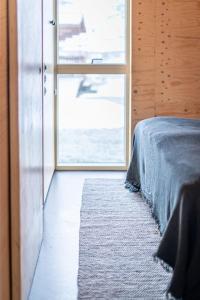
column 92, row 83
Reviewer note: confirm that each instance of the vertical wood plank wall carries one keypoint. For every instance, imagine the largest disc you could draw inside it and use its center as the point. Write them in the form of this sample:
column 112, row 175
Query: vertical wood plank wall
column 166, row 58
column 4, row 165
column 14, row 153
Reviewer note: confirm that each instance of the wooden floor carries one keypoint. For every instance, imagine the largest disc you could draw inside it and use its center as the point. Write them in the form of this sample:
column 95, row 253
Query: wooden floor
column 56, row 272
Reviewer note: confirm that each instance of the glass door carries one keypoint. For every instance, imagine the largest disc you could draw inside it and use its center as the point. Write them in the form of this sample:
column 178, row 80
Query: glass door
column 93, row 75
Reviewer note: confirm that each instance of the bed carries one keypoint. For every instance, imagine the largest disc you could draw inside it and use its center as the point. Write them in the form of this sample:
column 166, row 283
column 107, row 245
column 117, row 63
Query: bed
column 165, row 168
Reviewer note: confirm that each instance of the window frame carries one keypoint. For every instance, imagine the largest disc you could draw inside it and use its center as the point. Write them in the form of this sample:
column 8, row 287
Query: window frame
column 124, row 68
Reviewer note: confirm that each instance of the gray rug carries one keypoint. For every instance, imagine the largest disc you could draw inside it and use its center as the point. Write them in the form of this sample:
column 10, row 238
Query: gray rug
column 118, row 237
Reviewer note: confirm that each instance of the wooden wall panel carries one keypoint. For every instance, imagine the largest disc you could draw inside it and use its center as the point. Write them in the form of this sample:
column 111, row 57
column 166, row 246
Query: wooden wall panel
column 25, row 27
column 14, row 153
column 171, row 29
column 143, row 60
column 4, row 159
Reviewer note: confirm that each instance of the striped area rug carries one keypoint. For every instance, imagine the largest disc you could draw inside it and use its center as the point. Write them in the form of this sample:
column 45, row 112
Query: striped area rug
column 118, row 237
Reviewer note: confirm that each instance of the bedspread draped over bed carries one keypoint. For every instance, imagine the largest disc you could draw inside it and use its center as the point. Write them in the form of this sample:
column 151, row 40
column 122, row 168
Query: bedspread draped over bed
column 165, row 167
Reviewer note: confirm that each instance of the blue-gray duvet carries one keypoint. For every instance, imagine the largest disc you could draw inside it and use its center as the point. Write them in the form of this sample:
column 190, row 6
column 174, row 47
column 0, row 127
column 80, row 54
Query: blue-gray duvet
column 165, row 167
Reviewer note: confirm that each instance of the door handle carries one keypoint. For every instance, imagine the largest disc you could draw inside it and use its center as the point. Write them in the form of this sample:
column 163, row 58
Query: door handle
column 98, row 60
column 45, row 90
column 52, row 22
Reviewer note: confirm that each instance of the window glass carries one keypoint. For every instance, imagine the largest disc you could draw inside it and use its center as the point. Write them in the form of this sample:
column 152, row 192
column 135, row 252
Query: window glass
column 92, row 31
column 91, row 119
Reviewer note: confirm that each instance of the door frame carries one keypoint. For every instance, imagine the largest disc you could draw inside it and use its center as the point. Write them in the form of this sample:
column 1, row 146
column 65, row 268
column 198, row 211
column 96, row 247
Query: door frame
column 5, row 282
column 14, row 153
column 45, row 193
column 62, row 69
